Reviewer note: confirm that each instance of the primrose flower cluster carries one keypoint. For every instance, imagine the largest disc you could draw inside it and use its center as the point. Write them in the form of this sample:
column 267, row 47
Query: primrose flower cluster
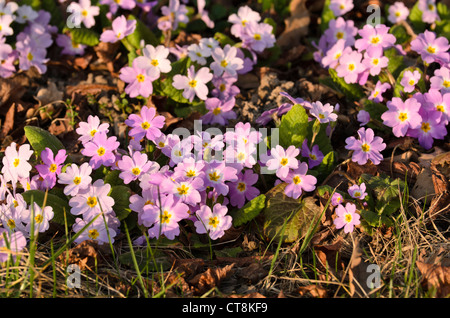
column 358, row 56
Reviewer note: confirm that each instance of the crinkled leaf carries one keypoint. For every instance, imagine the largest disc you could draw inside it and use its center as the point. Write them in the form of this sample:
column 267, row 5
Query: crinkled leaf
column 326, row 166
column 59, row 205
column 374, row 219
column 40, row 139
column 166, row 88
column 249, row 211
column 142, row 32
column 400, row 33
column 121, row 195
column 396, row 61
column 85, row 36
column 352, row 91
column 293, row 128
column 296, row 215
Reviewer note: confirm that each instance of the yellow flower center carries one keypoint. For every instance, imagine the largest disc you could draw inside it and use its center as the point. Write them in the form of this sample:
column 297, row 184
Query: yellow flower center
column 376, row 93
column 161, row 144
column 91, row 201
column 348, row 217
column 93, row 132
column 192, row 83
column 243, row 22
column 446, row 84
column 222, row 87
column 165, row 218
column 337, row 56
column 342, row 7
column 101, row 151
column 198, row 54
column 11, row 224
column 351, row 67
column 397, row 14
column 119, row 35
column 149, row 202
column 257, row 37
column 53, row 168
column 154, row 62
column 403, row 116
column 190, row 173
column 214, row 221
column 357, row 194
column 339, row 35
column 365, row 148
column 214, row 176
column 145, row 125
column 375, row 40
column 284, row 161
column 15, row 203
column 77, row 180
column 84, row 13
column 240, row 156
column 217, row 111
column 296, row 180
column 431, row 7
column 312, row 156
column 136, row 171
column 425, row 127
column 16, row 162
column 30, row 56
column 440, row 108
column 321, row 116
column 431, row 49
column 183, row 190
column 140, row 78
column 241, row 186
column 93, row 234
column 375, row 61
column 411, row 82
column 38, row 218
column 224, row 63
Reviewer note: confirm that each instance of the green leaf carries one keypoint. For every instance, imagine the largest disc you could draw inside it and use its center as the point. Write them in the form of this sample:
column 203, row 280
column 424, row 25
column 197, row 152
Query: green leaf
column 142, row 32
column 415, row 16
column 166, row 88
column 58, row 204
column 293, row 128
column 223, row 39
column 121, row 195
column 327, row 16
column 352, row 91
column 443, row 11
column 85, row 36
column 396, row 62
column 326, row 166
column 322, row 140
column 400, row 33
column 296, row 215
column 40, row 139
column 374, row 109
column 374, row 219
column 112, row 177
column 249, row 211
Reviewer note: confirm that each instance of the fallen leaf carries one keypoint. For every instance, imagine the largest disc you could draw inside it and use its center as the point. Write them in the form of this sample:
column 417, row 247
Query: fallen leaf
column 314, row 291
column 435, row 276
column 49, row 94
column 83, row 254
column 211, row 278
column 297, row 24
column 253, row 273
column 86, row 89
column 9, row 121
column 250, row 295
column 329, row 256
column 357, row 273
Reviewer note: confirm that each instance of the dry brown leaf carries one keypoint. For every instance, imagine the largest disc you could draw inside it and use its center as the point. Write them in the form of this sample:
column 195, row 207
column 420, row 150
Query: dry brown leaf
column 49, row 94
column 86, row 89
column 297, row 25
column 8, row 124
column 357, row 273
column 313, row 290
column 211, row 278
column 253, row 273
column 83, row 254
column 435, row 276
column 250, row 295
column 329, row 257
